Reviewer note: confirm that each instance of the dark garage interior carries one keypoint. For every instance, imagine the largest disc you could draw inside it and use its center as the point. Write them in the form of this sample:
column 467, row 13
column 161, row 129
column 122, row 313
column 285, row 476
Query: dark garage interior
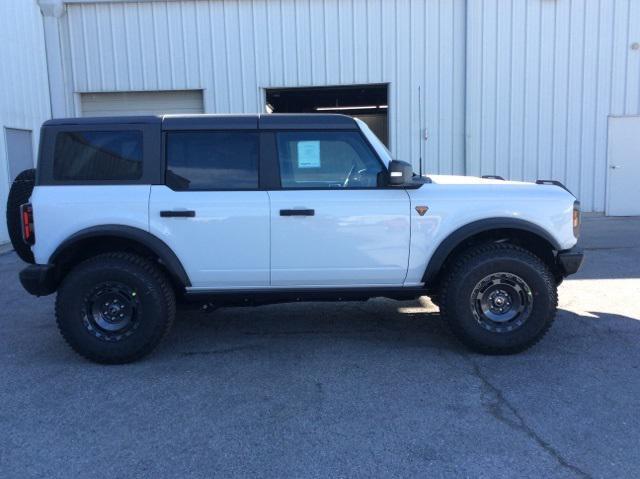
column 369, row 103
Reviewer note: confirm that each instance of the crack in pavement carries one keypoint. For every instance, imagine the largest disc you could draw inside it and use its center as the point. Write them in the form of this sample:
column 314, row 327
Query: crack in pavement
column 309, row 332
column 496, row 409
column 608, row 248
column 222, row 351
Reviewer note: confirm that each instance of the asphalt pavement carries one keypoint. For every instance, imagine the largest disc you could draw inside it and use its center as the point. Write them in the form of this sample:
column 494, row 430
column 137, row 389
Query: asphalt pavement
column 375, row 389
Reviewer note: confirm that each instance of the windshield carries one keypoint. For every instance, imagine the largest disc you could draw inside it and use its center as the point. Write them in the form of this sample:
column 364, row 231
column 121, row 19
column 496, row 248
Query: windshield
column 381, row 149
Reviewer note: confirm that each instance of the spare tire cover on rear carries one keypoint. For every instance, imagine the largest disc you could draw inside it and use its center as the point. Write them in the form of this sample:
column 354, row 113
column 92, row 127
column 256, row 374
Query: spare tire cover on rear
column 19, row 194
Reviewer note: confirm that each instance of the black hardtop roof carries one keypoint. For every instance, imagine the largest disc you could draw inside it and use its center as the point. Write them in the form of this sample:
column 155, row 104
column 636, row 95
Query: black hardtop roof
column 104, row 120
column 271, row 121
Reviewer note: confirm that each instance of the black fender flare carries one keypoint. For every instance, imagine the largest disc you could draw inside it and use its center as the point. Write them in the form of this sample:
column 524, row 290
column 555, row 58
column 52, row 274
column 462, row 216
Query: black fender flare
column 455, row 239
column 148, row 240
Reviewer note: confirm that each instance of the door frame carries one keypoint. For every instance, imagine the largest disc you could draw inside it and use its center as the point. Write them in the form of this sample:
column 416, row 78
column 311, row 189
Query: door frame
column 607, row 203
column 390, row 96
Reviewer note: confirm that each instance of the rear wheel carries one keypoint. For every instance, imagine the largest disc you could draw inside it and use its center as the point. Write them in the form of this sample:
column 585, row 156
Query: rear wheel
column 115, row 308
column 498, row 299
column 19, row 194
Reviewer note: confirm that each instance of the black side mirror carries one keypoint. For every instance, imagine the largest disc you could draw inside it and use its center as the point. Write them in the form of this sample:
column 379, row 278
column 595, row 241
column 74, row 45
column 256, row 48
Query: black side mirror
column 400, row 173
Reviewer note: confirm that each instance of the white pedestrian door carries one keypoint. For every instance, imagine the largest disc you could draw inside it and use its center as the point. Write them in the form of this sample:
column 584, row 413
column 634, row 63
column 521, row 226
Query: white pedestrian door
column 19, row 151
column 623, row 183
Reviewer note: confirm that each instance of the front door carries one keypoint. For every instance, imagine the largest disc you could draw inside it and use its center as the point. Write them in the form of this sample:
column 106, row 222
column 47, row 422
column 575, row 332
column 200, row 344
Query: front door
column 331, row 224
column 623, row 187
column 210, row 211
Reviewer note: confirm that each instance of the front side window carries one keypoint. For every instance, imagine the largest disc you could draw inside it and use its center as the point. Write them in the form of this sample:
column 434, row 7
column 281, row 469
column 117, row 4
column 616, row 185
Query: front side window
column 212, row 160
column 328, row 159
column 98, row 155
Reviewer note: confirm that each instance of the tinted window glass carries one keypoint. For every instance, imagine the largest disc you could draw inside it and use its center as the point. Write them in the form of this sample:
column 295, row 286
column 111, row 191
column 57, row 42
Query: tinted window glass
column 212, row 160
column 329, row 159
column 98, row 155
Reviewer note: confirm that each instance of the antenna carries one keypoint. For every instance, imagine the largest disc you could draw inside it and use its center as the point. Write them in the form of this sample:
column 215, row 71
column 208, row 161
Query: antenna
column 420, row 127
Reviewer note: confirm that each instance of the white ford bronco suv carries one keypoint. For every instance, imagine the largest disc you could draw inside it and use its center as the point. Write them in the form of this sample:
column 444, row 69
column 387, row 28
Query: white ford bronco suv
column 125, row 217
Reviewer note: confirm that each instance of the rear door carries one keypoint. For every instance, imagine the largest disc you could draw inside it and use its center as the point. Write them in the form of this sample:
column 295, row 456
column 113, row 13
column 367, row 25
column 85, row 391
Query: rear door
column 333, row 222
column 211, row 211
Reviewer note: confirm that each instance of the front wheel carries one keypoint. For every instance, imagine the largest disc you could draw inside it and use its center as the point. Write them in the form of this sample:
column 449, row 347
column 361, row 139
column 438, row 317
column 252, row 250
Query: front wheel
column 115, row 308
column 498, row 299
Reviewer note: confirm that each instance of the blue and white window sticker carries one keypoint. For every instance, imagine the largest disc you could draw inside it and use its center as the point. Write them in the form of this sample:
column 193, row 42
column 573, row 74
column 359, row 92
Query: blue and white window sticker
column 308, row 154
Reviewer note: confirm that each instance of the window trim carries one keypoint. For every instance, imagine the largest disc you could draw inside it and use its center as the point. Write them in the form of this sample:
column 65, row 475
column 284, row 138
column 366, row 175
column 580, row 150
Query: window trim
column 165, row 161
column 151, row 168
column 366, row 142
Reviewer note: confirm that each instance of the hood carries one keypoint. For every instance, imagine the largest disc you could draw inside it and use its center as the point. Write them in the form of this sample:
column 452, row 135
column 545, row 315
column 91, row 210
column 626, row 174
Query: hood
column 470, row 180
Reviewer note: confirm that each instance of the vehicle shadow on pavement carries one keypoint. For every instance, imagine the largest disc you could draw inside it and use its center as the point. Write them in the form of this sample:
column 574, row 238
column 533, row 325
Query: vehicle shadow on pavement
column 409, row 323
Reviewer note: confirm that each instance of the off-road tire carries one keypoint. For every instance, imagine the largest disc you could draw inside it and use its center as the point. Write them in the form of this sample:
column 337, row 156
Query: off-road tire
column 155, row 303
column 461, row 279
column 19, row 194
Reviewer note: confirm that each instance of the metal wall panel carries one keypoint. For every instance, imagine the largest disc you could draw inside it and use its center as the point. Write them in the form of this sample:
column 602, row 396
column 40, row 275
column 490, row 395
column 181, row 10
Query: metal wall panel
column 519, row 88
column 542, row 78
column 24, row 90
column 234, row 49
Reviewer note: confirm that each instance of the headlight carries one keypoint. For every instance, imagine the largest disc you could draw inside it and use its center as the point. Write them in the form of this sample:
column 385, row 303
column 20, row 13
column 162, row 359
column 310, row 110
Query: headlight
column 576, row 219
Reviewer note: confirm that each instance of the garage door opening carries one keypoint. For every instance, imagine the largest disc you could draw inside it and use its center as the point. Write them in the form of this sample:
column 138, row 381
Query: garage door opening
column 141, row 103
column 366, row 102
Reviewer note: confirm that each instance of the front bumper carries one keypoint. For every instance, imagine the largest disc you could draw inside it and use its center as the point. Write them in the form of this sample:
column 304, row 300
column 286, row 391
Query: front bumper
column 39, row 279
column 569, row 261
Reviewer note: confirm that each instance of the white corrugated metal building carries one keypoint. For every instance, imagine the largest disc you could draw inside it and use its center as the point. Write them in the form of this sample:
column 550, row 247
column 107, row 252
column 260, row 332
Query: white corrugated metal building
column 524, row 89
column 24, row 91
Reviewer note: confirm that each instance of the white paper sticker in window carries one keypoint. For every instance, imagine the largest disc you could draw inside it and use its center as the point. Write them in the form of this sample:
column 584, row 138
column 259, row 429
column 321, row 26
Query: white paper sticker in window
column 308, row 154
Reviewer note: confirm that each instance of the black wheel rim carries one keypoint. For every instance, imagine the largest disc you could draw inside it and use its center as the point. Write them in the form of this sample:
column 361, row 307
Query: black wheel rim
column 111, row 311
column 501, row 302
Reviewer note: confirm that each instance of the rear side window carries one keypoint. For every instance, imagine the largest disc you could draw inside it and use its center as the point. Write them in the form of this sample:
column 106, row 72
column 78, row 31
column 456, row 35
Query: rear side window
column 98, row 155
column 212, row 160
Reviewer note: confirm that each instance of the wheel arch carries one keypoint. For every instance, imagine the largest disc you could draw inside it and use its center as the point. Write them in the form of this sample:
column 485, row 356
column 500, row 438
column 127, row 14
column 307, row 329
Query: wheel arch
column 104, row 238
column 525, row 233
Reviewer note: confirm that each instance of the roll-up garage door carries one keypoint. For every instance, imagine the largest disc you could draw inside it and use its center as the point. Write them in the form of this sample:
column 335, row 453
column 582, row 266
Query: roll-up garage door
column 141, row 103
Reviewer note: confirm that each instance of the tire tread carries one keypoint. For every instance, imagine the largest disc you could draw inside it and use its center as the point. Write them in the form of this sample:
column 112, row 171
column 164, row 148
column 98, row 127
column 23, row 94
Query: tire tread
column 166, row 291
column 457, row 269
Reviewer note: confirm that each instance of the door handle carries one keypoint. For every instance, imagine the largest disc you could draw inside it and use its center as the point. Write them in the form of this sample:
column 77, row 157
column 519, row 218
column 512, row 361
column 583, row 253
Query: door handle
column 615, row 167
column 297, row 212
column 178, row 214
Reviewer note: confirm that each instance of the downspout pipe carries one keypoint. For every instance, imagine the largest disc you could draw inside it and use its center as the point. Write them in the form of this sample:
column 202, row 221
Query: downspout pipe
column 52, row 12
